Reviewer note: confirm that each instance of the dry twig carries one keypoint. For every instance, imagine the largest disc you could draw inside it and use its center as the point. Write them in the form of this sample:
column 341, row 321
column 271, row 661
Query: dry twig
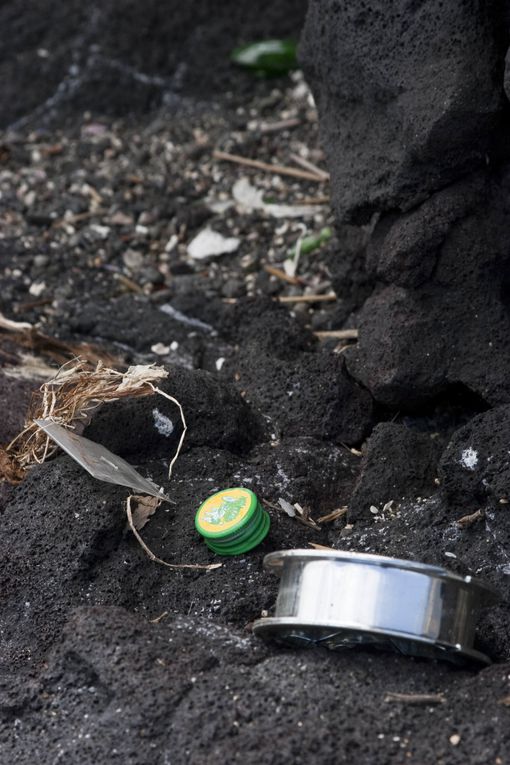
column 323, row 174
column 415, row 698
column 154, row 558
column 328, row 298
column 293, row 299
column 275, row 127
column 338, row 334
column 157, row 619
column 295, row 280
column 333, row 515
column 267, row 167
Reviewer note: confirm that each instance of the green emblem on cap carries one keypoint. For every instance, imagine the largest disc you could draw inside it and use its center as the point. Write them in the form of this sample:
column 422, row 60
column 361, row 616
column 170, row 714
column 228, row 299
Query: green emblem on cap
column 232, row 521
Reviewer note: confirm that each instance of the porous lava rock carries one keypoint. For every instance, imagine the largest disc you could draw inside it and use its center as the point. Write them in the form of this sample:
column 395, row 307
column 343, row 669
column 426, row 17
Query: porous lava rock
column 440, row 315
column 474, row 469
column 300, row 389
column 413, row 117
column 408, row 96
column 150, row 427
column 397, row 463
column 184, row 690
column 310, row 396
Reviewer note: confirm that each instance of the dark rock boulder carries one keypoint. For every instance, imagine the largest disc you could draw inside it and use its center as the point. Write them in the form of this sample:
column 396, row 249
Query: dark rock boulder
column 318, row 475
column 150, row 427
column 397, row 464
column 475, row 467
column 311, row 395
column 283, row 373
column 405, row 248
column 442, row 318
column 409, row 96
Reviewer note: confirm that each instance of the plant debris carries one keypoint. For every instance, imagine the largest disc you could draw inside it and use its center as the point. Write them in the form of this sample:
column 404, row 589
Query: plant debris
column 287, row 507
column 312, row 242
column 22, row 334
column 339, row 334
column 333, row 515
column 257, row 164
column 301, row 514
column 68, row 400
column 267, row 58
column 250, row 198
column 145, row 507
column 415, row 698
column 154, row 558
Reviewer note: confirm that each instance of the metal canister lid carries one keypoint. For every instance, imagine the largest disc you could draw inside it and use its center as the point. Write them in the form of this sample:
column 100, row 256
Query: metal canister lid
column 232, row 521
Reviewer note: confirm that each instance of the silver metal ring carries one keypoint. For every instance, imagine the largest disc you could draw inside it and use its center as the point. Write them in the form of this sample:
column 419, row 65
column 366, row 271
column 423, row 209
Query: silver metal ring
column 342, row 599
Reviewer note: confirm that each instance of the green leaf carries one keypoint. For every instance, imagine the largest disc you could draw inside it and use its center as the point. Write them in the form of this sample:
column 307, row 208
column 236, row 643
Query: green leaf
column 314, row 241
column 267, row 57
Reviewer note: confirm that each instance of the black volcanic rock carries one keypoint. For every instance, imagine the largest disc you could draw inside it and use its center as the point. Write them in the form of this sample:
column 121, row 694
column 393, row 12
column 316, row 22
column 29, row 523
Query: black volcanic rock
column 408, row 95
column 397, row 463
column 420, row 335
column 475, row 467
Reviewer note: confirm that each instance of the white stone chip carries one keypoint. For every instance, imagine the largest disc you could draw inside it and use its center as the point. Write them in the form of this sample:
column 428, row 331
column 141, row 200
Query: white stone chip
column 210, row 244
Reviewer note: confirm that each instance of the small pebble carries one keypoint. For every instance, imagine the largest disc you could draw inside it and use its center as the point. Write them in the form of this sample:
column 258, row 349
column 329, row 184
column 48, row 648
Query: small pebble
column 37, row 288
column 41, row 260
column 132, row 259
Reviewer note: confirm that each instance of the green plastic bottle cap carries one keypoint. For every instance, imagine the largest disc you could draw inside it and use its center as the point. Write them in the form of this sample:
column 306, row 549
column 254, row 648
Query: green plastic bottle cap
column 232, row 521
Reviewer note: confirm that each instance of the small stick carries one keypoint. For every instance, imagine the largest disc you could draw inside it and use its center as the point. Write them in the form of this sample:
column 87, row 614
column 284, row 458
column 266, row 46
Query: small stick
column 339, row 334
column 22, row 307
column 267, row 167
column 295, row 280
column 129, row 283
column 310, row 166
column 416, row 698
column 157, row 619
column 154, row 558
column 317, row 546
column 77, row 218
column 292, row 299
column 333, row 515
column 307, row 298
column 274, row 127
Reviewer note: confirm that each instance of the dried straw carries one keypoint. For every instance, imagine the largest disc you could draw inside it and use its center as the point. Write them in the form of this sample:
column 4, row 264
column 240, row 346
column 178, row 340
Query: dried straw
column 70, row 397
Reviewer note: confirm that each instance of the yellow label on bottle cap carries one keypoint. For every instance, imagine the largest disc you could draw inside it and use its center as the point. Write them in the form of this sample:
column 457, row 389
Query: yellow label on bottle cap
column 224, row 510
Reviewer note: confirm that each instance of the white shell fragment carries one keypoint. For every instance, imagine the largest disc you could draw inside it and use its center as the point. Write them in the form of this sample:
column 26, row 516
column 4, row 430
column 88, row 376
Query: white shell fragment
column 249, row 198
column 209, row 244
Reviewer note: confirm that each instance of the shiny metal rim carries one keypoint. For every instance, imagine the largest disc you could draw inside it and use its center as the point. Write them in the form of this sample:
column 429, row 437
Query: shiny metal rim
column 286, row 630
column 274, row 562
